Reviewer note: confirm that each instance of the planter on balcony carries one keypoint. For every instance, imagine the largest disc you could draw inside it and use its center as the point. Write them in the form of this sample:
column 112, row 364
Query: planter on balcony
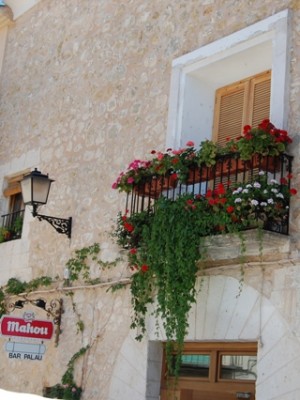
column 198, row 174
column 154, row 187
column 265, row 163
column 229, row 166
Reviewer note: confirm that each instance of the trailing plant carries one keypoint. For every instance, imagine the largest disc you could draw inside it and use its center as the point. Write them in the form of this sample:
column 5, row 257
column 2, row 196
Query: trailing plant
column 3, row 309
column 116, row 286
column 67, row 389
column 165, row 245
column 15, row 286
column 79, row 266
column 79, row 323
column 163, row 261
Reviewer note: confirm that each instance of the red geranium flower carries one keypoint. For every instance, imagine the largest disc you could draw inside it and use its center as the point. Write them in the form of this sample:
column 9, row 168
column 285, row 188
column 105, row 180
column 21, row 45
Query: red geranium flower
column 132, row 251
column 173, row 177
column 220, row 189
column 190, row 143
column 283, row 181
column 230, row 209
column 246, row 130
column 293, row 191
column 128, row 227
column 209, row 193
column 144, row 268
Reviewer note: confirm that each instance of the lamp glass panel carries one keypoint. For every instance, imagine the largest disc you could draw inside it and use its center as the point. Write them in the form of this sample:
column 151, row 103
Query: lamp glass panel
column 41, row 187
column 26, row 190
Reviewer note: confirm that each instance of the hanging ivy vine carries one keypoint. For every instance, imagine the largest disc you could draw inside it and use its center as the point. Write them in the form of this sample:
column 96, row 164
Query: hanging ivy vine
column 164, row 248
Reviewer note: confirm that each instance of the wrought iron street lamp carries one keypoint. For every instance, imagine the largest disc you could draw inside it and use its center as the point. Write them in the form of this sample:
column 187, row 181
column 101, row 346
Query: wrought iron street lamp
column 35, row 190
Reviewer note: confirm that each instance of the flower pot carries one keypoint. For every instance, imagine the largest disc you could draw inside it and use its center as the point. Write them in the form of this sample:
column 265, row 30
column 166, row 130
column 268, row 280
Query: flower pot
column 198, row 174
column 154, row 187
column 230, row 166
column 265, row 163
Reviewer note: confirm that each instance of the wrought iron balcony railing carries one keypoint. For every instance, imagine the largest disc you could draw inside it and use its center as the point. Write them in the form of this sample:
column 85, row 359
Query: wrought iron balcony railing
column 12, row 225
column 228, row 170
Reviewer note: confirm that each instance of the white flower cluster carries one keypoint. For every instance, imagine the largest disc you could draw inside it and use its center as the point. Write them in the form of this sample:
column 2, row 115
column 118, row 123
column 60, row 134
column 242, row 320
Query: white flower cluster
column 269, row 195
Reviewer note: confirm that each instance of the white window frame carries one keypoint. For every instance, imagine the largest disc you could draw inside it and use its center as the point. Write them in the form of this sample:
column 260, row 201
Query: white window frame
column 196, row 75
column 19, row 7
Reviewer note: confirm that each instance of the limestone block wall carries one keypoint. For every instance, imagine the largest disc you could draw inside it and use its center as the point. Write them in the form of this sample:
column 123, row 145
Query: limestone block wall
column 84, row 89
column 90, row 92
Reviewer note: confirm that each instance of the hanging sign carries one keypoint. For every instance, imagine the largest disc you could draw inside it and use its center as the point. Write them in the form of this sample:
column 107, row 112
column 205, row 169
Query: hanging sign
column 25, row 351
column 26, row 328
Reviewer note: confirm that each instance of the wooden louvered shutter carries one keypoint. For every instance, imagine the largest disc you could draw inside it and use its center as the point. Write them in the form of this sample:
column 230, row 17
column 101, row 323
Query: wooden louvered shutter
column 259, row 98
column 230, row 111
column 13, row 186
column 246, row 102
column 14, row 193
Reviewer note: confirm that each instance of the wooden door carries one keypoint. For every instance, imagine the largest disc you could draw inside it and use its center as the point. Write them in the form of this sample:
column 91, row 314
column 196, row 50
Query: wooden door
column 213, row 371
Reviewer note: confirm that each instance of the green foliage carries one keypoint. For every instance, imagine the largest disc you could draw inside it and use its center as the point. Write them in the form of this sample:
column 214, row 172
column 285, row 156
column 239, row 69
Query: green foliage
column 175, row 164
column 15, row 286
column 266, row 139
column 5, row 234
column 2, row 303
column 38, row 282
column 207, row 153
column 116, row 286
column 165, row 245
column 67, row 389
column 164, row 261
column 18, row 225
column 10, row 232
column 79, row 323
column 79, row 266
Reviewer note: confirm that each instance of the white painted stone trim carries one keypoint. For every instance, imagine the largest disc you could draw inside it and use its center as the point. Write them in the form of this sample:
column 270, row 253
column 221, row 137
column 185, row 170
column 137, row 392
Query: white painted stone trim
column 19, row 7
column 272, row 33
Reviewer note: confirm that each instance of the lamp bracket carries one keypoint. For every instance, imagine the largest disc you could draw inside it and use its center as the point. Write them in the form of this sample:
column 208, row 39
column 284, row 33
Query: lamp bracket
column 61, row 225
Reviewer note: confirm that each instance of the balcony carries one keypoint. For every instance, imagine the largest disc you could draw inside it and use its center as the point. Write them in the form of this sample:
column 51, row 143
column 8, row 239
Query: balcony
column 11, row 227
column 186, row 210
column 229, row 170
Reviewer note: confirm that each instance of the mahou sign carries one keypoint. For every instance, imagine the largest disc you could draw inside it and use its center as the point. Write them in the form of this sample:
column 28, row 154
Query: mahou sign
column 36, row 329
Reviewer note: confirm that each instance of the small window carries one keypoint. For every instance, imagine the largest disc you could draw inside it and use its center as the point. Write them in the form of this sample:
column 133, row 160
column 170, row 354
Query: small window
column 238, row 366
column 213, row 370
column 12, row 221
column 246, row 102
column 194, row 365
